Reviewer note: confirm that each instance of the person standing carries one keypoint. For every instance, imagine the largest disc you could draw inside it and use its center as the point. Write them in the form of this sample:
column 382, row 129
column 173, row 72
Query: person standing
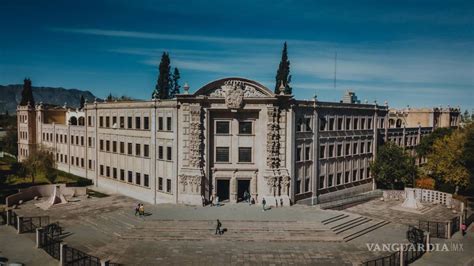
column 203, row 200
column 218, row 227
column 212, row 200
column 141, row 210
column 276, row 203
column 217, row 201
column 137, row 209
column 281, row 202
column 263, row 204
column 463, row 229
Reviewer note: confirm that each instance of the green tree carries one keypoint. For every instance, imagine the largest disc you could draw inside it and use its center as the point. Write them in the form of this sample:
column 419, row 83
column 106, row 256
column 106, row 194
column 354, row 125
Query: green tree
column 467, row 156
column 175, row 83
column 39, row 162
column 82, row 102
column 426, row 144
column 445, row 162
column 163, row 84
column 9, row 143
column 466, row 117
column 393, row 167
column 110, row 97
column 27, row 93
column 283, row 73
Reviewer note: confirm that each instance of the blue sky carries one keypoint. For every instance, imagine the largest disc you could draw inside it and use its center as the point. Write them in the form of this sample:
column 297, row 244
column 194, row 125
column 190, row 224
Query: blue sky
column 417, row 53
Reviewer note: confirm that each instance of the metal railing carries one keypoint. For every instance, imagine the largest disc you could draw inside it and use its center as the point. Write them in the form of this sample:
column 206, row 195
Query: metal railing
column 29, row 224
column 436, row 229
column 75, row 257
column 390, row 260
column 49, row 240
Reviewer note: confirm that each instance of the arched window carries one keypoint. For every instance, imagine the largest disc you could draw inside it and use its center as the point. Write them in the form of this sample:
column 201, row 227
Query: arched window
column 73, row 121
column 399, row 123
column 82, row 121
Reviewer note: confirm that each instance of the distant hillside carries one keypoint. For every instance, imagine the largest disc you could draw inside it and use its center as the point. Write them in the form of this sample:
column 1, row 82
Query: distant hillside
column 10, row 96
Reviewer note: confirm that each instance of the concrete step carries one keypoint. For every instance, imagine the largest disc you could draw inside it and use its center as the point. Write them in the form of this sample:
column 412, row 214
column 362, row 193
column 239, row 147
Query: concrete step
column 366, row 230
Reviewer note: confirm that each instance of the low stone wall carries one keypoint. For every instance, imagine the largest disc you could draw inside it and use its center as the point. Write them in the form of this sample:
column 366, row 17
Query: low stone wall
column 424, row 196
column 345, row 193
column 43, row 191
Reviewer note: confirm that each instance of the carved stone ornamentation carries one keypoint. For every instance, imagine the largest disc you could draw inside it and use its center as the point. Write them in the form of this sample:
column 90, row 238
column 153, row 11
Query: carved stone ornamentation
column 234, row 96
column 273, row 138
column 194, row 182
column 195, row 141
column 234, row 91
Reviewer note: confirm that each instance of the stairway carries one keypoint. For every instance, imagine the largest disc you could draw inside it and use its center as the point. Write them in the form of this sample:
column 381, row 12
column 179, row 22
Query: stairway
column 351, row 226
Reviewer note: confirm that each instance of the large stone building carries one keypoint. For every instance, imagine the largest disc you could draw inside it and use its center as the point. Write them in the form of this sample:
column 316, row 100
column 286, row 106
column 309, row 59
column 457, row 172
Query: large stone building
column 232, row 135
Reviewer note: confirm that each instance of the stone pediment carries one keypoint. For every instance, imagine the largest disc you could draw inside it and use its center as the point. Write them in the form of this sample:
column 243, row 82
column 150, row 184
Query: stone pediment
column 234, row 90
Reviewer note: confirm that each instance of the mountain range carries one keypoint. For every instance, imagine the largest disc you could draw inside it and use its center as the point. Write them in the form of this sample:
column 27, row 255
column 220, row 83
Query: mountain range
column 10, row 96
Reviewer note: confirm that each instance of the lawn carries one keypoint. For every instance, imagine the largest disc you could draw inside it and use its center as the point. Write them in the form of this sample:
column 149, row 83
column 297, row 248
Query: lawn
column 11, row 181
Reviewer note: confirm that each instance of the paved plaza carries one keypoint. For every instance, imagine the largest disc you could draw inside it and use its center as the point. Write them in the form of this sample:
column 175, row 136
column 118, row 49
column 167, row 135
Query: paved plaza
column 185, row 235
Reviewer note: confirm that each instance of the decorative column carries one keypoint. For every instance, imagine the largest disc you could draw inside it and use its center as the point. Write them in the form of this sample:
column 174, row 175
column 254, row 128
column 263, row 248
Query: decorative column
column 233, row 189
column 253, row 185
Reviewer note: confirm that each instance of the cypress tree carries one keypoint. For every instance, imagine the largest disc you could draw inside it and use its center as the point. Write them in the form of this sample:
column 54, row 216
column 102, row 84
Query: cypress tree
column 283, row 73
column 175, row 83
column 163, row 84
column 82, row 102
column 27, row 93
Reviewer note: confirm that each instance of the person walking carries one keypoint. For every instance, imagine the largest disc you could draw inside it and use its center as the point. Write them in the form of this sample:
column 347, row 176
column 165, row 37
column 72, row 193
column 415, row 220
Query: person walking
column 263, row 204
column 218, row 227
column 276, row 203
column 281, row 202
column 137, row 209
column 203, row 200
column 141, row 210
column 217, row 201
column 463, row 229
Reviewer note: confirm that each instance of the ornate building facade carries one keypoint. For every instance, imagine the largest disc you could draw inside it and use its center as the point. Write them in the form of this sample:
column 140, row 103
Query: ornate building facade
column 232, row 135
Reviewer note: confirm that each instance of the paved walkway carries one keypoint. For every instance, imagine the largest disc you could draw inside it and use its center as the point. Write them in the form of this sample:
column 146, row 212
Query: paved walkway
column 21, row 249
column 178, row 234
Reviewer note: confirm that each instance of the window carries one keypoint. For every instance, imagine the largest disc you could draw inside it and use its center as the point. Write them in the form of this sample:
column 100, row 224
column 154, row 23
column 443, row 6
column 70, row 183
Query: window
column 298, row 154
column 348, row 123
column 114, row 173
column 160, row 183
column 77, row 140
column 114, row 121
column 245, row 155
column 137, row 122
column 322, row 152
column 369, row 146
column 321, row 181
column 146, row 123
column 160, row 152
column 339, row 150
column 122, row 147
column 346, row 177
column 65, row 139
column 354, row 150
column 65, row 159
column 339, row 179
column 245, row 127
column 307, row 154
column 122, row 174
column 331, row 180
column 306, row 185
column 340, row 122
column 362, row 123
column 299, row 125
column 90, row 163
column 331, row 124
column 89, row 140
column 356, row 123
column 222, row 127
column 362, row 146
column 222, row 154
column 89, row 121
column 107, row 121
column 122, row 122
column 129, row 150
column 101, row 144
column 146, row 180
column 354, row 175
column 168, row 185
column 82, row 162
column 168, row 154
column 146, row 150
column 107, row 145
column 101, row 121
column 369, row 123
column 138, row 178
column 348, row 149
column 130, row 177
column 107, row 171
column 322, row 124
column 168, row 123
column 129, row 122
column 361, row 176
column 114, row 146
column 101, row 170
column 331, row 151
column 72, row 140
column 137, row 149
column 160, row 123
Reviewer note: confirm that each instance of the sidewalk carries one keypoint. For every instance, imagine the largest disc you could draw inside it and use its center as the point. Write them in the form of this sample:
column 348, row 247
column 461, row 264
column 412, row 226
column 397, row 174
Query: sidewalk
column 465, row 257
column 21, row 249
